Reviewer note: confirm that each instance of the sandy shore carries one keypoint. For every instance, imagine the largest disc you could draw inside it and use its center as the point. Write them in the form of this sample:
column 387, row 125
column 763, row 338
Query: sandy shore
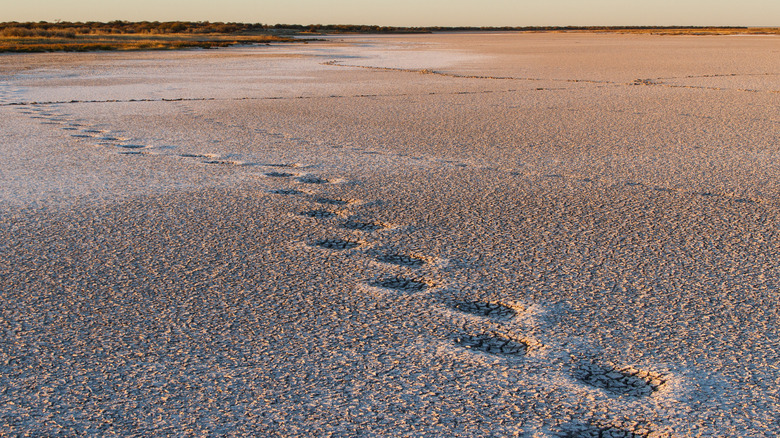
column 537, row 235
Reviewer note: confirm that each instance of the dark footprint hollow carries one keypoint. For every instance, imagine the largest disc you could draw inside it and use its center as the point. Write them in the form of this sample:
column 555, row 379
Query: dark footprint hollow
column 318, row 214
column 493, row 344
column 625, row 380
column 336, row 244
column 362, row 226
column 130, row 146
column 330, row 201
column 312, row 180
column 492, row 310
column 279, row 174
column 590, row 431
column 286, row 192
column 401, row 260
column 401, row 284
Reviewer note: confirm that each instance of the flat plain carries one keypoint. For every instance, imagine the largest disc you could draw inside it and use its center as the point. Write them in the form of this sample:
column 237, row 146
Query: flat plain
column 519, row 234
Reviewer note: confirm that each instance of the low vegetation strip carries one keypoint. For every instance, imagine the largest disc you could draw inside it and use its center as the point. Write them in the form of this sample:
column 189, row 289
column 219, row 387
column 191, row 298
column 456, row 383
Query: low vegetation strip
column 124, row 35
column 88, row 43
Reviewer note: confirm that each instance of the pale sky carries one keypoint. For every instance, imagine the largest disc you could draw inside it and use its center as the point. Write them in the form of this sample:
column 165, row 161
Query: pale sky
column 407, row 12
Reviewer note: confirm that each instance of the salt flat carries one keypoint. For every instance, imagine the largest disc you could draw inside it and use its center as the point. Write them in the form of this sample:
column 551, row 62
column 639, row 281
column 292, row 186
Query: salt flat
column 423, row 235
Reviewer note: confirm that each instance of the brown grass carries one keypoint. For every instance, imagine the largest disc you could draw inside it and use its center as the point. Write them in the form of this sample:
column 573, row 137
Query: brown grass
column 94, row 42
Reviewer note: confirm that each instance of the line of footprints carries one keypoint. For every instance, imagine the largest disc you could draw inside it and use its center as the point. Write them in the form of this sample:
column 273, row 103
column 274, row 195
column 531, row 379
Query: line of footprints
column 621, row 380
column 625, row 380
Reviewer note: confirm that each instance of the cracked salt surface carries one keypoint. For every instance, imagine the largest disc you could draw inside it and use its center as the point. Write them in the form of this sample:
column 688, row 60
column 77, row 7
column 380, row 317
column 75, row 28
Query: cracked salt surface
column 636, row 224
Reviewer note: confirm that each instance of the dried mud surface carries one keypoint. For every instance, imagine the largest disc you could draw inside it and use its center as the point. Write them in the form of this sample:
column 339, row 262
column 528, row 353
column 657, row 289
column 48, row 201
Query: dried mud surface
column 543, row 235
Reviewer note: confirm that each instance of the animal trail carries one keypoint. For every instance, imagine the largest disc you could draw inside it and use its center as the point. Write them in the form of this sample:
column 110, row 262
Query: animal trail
column 623, row 380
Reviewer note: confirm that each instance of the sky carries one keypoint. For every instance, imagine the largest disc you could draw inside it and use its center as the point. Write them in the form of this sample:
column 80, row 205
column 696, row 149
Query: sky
column 408, row 12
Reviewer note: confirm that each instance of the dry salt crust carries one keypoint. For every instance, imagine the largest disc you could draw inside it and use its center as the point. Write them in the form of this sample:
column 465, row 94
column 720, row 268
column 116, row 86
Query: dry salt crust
column 545, row 235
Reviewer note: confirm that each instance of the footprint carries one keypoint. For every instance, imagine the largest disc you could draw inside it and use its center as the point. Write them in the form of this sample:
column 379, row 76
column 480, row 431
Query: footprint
column 593, row 431
column 287, row 165
column 362, row 226
column 133, row 153
column 318, row 214
column 493, row 343
column 623, row 380
column 286, row 192
column 401, row 284
column 337, row 244
column 279, row 174
column 131, row 146
column 490, row 309
column 311, row 179
column 402, row 260
column 330, row 201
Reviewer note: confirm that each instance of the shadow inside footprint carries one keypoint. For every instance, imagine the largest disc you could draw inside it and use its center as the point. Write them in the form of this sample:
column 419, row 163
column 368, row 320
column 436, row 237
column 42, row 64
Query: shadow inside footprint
column 286, row 192
column 401, row 260
column 361, row 226
column 336, row 244
column 401, row 284
column 491, row 310
column 279, row 174
column 311, row 179
column 318, row 214
column 493, row 344
column 330, row 201
column 625, row 380
column 593, row 431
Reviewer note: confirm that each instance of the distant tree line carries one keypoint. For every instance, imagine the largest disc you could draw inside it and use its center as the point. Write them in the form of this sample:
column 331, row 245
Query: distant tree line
column 65, row 29
column 348, row 28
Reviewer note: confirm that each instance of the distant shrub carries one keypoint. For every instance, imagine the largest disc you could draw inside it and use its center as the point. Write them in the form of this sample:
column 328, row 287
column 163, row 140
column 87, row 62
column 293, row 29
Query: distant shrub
column 16, row 32
column 23, row 32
